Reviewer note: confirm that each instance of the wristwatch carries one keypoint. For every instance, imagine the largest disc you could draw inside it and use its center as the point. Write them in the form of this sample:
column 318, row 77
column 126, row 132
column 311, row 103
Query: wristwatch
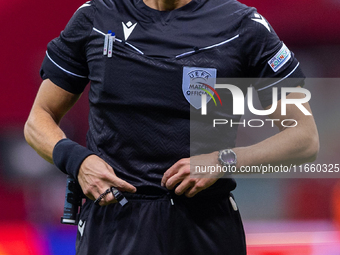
column 227, row 157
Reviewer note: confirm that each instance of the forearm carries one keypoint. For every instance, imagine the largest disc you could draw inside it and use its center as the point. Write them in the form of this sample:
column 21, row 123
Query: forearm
column 295, row 145
column 42, row 133
column 42, row 129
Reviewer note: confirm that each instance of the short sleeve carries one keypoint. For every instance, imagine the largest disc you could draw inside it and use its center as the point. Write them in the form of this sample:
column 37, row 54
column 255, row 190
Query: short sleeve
column 267, row 59
column 65, row 63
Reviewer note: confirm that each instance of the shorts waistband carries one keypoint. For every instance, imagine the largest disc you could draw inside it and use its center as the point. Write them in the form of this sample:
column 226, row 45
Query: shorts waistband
column 173, row 197
column 139, row 196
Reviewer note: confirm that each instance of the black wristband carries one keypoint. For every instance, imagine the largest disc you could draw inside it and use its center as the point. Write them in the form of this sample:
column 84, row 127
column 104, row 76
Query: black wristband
column 68, row 156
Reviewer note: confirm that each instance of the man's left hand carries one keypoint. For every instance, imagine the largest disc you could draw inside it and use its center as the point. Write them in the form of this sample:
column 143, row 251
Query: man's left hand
column 191, row 182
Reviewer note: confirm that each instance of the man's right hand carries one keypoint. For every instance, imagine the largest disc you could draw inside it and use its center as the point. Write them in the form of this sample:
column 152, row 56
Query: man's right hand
column 96, row 176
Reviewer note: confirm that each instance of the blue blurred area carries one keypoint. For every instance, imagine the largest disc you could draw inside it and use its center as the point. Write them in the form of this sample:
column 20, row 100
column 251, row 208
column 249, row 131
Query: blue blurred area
column 62, row 240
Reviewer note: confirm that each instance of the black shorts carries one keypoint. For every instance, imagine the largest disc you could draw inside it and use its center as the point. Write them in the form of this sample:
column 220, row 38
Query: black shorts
column 162, row 225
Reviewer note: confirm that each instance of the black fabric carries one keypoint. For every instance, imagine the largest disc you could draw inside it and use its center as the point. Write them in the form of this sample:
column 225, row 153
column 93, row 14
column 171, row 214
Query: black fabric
column 152, row 225
column 139, row 120
column 65, row 63
column 68, row 156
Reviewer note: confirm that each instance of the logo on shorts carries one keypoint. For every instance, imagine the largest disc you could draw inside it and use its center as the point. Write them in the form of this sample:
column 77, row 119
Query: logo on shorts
column 81, row 227
column 280, row 58
column 198, row 81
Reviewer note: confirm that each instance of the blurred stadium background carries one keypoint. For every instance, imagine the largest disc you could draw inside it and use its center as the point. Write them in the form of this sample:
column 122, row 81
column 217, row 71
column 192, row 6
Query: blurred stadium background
column 281, row 216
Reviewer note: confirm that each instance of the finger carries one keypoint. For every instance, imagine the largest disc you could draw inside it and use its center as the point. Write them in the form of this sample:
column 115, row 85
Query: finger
column 185, row 185
column 169, row 173
column 199, row 186
column 123, row 185
column 192, row 192
column 101, row 196
column 174, row 180
column 105, row 198
column 182, row 174
column 174, row 169
column 108, row 199
column 93, row 192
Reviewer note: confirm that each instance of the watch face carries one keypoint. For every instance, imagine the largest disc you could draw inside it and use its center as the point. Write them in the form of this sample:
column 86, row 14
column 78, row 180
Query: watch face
column 228, row 157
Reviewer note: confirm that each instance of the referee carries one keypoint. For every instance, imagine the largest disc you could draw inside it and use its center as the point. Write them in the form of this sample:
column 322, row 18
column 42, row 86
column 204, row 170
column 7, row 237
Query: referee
column 141, row 59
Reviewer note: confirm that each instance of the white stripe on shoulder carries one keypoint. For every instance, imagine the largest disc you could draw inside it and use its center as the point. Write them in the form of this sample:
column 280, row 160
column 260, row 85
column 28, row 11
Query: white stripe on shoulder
column 208, row 47
column 221, row 43
column 87, row 4
column 98, row 31
column 280, row 79
column 63, row 69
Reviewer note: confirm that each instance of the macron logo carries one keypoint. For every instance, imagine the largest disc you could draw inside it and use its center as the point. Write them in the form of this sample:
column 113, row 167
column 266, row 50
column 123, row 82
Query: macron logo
column 258, row 18
column 81, row 227
column 128, row 28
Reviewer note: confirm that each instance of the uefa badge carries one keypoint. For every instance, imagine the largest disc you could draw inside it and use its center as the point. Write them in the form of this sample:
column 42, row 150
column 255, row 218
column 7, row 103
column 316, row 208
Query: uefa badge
column 198, row 81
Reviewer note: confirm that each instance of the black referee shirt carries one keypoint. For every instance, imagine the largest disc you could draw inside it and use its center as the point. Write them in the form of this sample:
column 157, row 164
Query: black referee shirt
column 139, row 111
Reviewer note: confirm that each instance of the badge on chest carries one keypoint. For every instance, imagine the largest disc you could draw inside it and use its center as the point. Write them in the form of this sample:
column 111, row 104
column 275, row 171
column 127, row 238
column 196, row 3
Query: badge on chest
column 196, row 81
